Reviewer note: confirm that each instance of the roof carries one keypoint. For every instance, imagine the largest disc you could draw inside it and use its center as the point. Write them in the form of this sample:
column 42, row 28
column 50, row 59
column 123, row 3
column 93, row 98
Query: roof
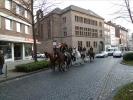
column 75, row 8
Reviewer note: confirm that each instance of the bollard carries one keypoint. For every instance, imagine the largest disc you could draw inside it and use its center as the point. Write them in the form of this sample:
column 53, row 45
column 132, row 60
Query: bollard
column 6, row 71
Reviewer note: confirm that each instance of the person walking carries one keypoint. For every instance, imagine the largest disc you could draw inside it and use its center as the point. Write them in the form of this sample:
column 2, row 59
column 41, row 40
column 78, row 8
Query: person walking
column 2, row 61
column 32, row 54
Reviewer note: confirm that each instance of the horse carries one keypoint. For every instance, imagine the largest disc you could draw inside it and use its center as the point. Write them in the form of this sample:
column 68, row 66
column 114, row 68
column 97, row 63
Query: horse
column 52, row 59
column 62, row 59
column 83, row 56
column 91, row 55
column 77, row 56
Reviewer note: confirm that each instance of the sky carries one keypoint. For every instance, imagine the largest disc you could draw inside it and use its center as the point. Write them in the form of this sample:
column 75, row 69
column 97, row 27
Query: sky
column 104, row 8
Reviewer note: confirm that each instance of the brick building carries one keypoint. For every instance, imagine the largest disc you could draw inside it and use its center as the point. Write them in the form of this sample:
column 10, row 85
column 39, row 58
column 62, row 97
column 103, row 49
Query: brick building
column 16, row 38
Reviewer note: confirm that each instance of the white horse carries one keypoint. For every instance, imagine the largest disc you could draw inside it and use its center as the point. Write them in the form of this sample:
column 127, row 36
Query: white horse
column 77, row 55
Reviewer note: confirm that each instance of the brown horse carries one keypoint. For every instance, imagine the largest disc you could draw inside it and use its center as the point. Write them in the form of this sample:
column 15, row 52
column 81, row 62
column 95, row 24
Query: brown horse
column 60, row 59
column 52, row 59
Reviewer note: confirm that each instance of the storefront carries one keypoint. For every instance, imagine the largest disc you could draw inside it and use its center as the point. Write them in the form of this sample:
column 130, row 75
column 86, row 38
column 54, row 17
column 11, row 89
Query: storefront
column 15, row 48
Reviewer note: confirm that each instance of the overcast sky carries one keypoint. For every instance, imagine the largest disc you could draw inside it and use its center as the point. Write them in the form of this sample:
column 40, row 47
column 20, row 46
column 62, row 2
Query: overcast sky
column 104, row 8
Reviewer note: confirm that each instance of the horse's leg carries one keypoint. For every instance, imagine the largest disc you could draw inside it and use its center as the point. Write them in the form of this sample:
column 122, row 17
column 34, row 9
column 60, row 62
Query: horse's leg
column 62, row 67
column 76, row 61
column 59, row 67
column 90, row 58
column 52, row 65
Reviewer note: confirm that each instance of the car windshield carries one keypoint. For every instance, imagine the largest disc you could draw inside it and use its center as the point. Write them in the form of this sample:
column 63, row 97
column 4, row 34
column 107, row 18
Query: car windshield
column 110, row 50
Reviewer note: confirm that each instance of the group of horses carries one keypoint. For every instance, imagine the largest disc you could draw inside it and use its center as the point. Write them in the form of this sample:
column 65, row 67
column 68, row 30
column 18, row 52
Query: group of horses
column 66, row 58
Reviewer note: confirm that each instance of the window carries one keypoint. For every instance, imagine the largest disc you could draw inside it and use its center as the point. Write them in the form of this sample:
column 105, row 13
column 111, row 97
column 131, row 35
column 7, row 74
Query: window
column 28, row 49
column 27, row 29
column 64, row 20
column 8, row 4
column 100, row 24
column 18, row 10
column 19, row 27
column 95, row 44
column 26, row 14
column 105, row 32
column 9, row 25
column 80, row 43
column 65, row 31
column 87, row 43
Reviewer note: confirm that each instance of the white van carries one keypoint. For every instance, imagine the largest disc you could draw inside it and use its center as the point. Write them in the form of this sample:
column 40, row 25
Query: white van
column 111, row 50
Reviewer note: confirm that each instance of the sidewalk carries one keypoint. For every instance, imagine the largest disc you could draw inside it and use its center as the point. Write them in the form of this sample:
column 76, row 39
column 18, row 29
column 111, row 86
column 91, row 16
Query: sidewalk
column 10, row 66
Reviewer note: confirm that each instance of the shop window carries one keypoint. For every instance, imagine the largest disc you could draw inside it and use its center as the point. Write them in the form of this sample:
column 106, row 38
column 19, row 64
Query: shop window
column 6, row 47
column 28, row 49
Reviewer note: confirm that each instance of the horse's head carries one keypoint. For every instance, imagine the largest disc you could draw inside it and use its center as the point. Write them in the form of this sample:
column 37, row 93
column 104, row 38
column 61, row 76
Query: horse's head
column 56, row 52
column 46, row 54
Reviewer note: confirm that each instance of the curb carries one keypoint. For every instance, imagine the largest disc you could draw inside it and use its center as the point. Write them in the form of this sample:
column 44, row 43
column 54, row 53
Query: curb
column 26, row 74
column 112, row 94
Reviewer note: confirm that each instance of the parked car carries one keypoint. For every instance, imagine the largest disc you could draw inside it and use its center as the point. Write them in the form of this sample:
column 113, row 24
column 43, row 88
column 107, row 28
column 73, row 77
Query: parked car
column 117, row 54
column 102, row 54
column 40, row 55
column 111, row 50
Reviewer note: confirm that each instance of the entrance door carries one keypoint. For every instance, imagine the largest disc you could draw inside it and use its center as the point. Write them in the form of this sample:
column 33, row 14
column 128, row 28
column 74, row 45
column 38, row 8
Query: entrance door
column 17, row 51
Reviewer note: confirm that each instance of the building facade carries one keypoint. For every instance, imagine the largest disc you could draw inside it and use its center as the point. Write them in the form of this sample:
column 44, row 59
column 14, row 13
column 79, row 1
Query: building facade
column 118, row 35
column 16, row 38
column 73, row 25
column 107, row 34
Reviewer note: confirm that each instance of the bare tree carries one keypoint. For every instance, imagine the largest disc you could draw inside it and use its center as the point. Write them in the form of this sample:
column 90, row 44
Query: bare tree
column 31, row 6
column 124, row 10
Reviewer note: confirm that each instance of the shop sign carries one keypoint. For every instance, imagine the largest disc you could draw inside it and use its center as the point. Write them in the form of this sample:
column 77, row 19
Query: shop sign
column 54, row 42
column 31, row 40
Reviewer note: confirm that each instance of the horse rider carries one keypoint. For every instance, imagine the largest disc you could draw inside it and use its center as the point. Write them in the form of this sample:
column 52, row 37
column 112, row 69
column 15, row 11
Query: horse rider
column 91, row 49
column 62, row 48
column 84, row 49
column 80, row 49
column 70, row 49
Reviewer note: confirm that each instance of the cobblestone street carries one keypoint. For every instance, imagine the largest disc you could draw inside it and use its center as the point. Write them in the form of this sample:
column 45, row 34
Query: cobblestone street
column 91, row 81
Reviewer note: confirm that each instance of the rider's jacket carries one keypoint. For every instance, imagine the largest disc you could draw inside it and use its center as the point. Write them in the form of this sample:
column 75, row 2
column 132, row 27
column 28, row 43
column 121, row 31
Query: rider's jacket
column 62, row 49
column 70, row 49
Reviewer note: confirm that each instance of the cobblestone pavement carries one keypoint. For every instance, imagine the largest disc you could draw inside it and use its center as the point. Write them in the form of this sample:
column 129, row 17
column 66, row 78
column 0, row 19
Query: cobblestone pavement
column 91, row 81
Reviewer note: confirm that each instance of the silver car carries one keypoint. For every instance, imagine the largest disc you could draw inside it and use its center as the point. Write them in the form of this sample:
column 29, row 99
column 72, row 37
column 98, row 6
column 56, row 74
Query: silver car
column 40, row 55
column 102, row 54
column 117, row 54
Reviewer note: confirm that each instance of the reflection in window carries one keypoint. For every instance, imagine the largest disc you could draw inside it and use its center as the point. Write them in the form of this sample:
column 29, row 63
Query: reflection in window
column 28, row 49
column 6, row 47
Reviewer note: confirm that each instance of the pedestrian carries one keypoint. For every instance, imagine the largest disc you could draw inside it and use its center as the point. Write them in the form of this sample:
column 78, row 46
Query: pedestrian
column 2, row 61
column 32, row 55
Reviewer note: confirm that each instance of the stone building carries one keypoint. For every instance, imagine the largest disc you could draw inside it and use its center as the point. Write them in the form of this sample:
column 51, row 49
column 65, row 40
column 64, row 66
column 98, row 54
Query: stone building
column 73, row 25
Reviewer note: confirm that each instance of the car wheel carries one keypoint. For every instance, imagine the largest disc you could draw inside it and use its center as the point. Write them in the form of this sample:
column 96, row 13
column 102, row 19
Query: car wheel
column 113, row 56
